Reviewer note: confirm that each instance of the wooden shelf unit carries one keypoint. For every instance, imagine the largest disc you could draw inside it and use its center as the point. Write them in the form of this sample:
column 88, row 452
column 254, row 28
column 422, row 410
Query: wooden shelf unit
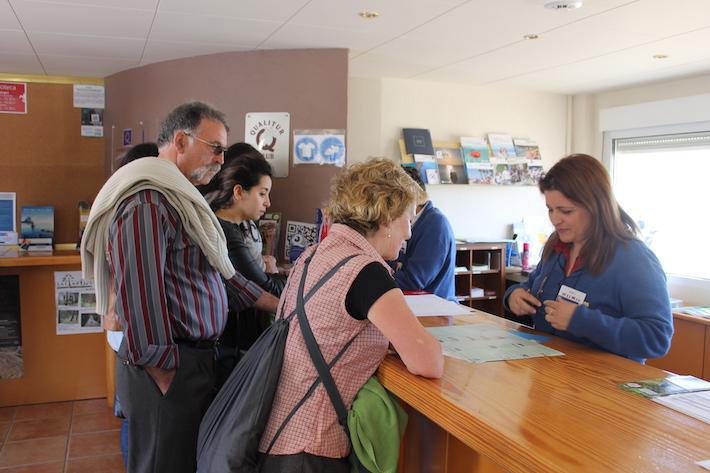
column 492, row 279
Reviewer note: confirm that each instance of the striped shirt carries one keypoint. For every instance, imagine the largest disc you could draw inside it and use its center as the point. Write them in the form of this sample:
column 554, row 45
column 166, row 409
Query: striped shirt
column 166, row 289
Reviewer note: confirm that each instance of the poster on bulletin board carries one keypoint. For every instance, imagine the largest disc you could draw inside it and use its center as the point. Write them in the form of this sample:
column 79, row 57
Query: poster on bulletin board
column 13, row 97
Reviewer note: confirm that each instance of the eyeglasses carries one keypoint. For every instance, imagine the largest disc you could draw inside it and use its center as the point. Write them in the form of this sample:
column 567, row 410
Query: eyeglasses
column 217, row 149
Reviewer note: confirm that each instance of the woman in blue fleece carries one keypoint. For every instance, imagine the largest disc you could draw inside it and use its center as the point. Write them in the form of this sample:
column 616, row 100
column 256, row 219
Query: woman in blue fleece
column 597, row 283
column 429, row 260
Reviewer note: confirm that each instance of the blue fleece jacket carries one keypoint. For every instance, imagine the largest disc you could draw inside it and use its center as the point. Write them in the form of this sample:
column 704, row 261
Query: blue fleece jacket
column 428, row 263
column 628, row 310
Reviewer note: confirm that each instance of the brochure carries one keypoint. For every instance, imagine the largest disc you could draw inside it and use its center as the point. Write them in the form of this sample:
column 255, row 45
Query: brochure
column 418, row 141
column 663, row 387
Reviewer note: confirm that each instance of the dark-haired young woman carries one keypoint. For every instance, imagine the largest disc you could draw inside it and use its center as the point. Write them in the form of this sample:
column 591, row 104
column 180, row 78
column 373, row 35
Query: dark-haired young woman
column 239, row 195
column 597, row 283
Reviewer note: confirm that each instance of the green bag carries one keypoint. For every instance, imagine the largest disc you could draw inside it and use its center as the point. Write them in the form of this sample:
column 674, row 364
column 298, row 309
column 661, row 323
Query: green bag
column 376, row 423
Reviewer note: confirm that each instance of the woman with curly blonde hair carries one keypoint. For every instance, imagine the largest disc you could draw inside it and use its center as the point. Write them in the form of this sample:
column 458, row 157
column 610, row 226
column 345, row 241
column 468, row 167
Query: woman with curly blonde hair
column 371, row 208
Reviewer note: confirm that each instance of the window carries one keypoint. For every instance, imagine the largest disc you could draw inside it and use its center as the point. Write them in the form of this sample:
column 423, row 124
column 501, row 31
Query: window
column 661, row 178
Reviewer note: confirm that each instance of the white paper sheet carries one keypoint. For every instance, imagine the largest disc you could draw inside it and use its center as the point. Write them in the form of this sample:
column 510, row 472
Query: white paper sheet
column 693, row 404
column 427, row 305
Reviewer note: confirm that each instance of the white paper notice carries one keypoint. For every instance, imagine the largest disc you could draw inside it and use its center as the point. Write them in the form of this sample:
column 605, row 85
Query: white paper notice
column 88, row 96
column 431, row 305
column 76, row 304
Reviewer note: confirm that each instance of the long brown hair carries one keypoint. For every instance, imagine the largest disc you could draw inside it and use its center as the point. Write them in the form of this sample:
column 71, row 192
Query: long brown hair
column 584, row 180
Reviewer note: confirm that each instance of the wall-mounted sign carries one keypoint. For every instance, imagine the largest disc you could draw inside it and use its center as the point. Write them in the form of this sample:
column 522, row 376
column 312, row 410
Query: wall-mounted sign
column 319, row 147
column 13, row 97
column 270, row 134
column 76, row 304
column 89, row 96
column 127, row 137
column 92, row 122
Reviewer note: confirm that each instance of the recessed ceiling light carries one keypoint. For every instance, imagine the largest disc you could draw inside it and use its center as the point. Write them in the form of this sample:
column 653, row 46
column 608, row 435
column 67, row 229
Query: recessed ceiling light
column 368, row 14
column 563, row 4
column 660, row 56
column 531, row 36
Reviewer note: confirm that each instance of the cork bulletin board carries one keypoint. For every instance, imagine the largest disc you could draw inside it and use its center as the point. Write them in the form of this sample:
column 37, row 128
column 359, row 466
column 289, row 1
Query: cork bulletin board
column 46, row 161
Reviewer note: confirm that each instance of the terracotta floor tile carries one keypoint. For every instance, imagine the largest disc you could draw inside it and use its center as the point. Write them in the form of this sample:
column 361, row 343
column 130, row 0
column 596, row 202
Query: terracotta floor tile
column 95, row 422
column 7, row 414
column 43, row 411
column 105, row 464
column 34, row 429
column 33, row 451
column 89, row 406
column 94, row 444
column 54, row 467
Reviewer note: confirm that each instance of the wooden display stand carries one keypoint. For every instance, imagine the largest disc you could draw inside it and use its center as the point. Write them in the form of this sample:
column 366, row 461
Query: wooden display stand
column 491, row 279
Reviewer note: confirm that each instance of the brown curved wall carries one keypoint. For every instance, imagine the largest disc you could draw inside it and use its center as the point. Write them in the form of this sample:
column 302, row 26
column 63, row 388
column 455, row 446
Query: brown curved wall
column 310, row 84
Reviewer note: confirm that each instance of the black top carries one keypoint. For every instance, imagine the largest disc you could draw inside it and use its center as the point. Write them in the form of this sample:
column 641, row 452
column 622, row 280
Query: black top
column 369, row 285
column 243, row 260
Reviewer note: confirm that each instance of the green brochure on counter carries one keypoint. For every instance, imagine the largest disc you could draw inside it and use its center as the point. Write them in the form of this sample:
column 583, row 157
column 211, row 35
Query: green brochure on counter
column 666, row 386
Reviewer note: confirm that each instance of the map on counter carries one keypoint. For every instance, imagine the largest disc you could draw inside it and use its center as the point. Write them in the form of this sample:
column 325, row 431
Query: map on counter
column 479, row 343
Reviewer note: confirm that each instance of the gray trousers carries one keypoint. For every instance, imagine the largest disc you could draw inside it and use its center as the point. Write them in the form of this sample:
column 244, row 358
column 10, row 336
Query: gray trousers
column 162, row 429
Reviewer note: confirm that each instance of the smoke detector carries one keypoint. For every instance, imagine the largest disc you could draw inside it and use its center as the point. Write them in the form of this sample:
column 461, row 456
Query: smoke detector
column 563, row 4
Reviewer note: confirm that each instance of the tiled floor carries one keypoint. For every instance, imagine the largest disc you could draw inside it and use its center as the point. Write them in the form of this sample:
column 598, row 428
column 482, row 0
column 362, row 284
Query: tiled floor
column 61, row 437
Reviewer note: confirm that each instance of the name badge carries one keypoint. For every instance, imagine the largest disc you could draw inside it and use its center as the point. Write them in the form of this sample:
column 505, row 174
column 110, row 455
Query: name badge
column 571, row 295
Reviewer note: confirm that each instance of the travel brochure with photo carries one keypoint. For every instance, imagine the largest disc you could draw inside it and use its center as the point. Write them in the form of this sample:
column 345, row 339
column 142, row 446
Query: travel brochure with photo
column 450, row 163
column 666, row 386
column 497, row 159
column 36, row 228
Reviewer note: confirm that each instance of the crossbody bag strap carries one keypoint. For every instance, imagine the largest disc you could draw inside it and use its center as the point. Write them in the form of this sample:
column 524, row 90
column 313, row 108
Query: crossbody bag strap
column 317, row 357
column 325, row 278
column 324, row 371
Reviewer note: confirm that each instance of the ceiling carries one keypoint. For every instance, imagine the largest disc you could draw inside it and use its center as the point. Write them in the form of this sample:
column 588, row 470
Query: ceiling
column 604, row 44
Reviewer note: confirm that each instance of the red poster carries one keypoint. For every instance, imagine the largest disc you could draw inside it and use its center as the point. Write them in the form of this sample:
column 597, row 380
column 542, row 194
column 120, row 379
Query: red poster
column 13, row 97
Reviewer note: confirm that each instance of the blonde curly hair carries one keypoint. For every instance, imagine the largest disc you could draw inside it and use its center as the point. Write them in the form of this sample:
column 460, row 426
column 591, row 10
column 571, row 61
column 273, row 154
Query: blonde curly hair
column 370, row 194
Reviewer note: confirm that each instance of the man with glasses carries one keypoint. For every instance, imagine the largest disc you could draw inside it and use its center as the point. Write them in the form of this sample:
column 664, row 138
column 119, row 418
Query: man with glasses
column 166, row 252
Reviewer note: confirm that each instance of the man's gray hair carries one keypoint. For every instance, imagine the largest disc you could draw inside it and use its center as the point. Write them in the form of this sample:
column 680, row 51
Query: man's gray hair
column 187, row 117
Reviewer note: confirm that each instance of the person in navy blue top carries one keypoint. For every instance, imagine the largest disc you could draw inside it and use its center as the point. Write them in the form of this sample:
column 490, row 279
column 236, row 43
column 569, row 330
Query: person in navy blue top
column 597, row 283
column 428, row 262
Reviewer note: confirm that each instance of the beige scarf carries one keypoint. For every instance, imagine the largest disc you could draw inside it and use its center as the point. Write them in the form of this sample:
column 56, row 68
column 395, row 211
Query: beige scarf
column 163, row 176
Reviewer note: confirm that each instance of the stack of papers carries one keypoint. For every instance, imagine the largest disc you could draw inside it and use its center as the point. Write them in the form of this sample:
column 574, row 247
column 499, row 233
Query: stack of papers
column 666, row 386
column 432, row 305
column 686, row 394
column 698, row 311
column 693, row 404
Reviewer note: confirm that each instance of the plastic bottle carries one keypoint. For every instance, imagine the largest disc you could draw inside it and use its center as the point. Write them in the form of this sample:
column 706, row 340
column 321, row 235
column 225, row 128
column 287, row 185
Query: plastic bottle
column 526, row 257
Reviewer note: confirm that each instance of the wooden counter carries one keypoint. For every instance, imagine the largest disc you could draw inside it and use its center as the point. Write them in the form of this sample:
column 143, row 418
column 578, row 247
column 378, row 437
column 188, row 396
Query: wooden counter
column 558, row 414
column 13, row 259
column 56, row 368
column 690, row 347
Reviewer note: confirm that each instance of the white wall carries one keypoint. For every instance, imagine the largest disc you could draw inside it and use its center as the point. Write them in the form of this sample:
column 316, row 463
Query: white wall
column 587, row 135
column 378, row 109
